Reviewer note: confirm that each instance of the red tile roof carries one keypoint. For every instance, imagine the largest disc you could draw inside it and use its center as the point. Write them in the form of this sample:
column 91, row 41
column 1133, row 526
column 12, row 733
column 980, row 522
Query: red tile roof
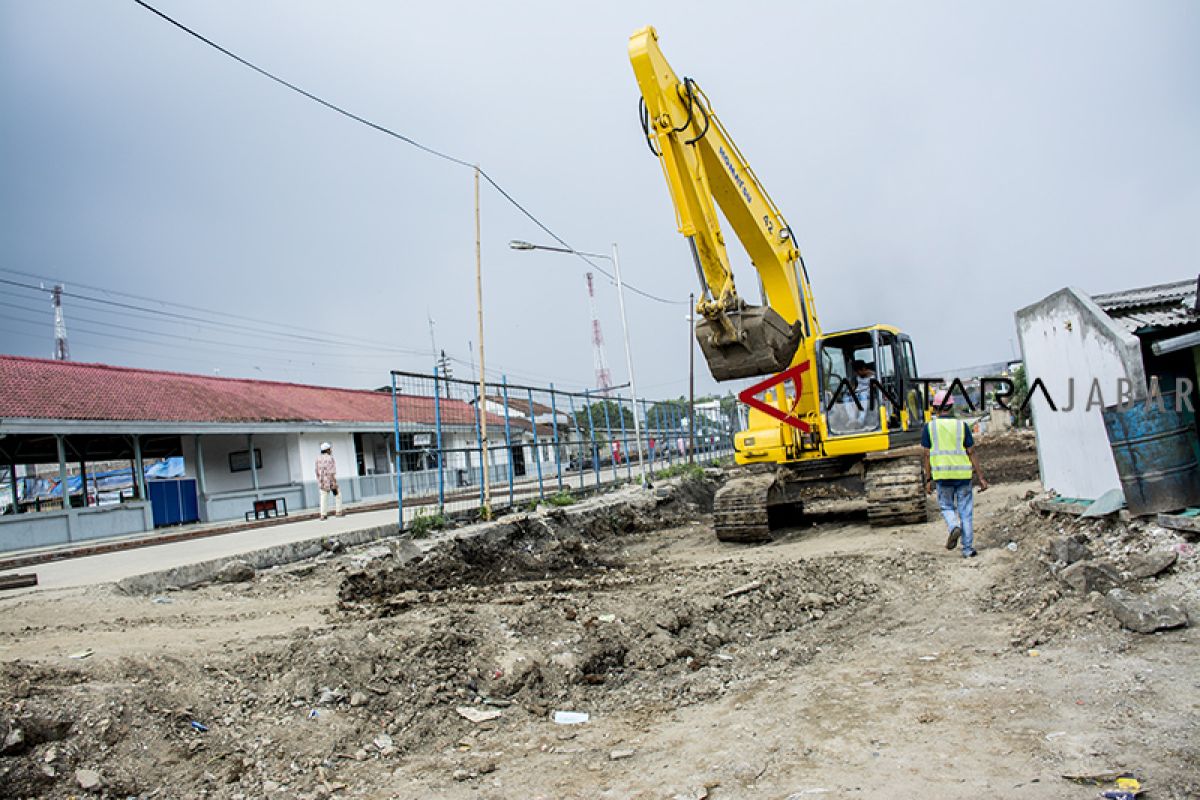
column 44, row 389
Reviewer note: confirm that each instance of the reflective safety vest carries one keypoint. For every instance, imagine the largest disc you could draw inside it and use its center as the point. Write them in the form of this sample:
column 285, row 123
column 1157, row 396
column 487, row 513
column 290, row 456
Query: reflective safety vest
column 948, row 459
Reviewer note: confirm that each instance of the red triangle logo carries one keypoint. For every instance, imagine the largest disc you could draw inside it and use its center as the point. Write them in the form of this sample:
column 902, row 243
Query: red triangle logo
column 793, row 374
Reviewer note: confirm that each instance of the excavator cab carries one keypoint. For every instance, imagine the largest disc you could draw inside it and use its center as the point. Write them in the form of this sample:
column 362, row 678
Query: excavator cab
column 747, row 342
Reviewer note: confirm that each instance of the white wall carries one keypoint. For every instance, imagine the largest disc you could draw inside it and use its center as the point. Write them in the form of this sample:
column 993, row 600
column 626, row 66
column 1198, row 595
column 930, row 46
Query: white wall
column 276, row 466
column 306, row 447
column 1064, row 336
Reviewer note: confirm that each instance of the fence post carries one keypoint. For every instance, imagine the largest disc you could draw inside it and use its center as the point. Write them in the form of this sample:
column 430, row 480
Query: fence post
column 592, row 430
column 399, row 460
column 483, row 470
column 625, row 437
column 537, row 459
column 437, row 423
column 508, row 441
column 650, row 435
column 557, row 445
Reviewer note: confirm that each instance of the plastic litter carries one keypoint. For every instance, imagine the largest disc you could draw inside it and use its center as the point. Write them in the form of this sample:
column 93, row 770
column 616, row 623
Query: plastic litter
column 571, row 717
column 1012, row 546
column 199, row 726
column 82, row 654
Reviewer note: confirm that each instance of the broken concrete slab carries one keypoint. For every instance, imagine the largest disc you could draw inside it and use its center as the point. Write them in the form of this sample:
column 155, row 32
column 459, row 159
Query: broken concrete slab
column 1147, row 614
column 1067, row 550
column 1147, row 565
column 236, row 571
column 1110, row 502
column 1093, row 575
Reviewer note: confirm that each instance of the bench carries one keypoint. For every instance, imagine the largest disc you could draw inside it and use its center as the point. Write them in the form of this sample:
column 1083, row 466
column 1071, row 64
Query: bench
column 265, row 509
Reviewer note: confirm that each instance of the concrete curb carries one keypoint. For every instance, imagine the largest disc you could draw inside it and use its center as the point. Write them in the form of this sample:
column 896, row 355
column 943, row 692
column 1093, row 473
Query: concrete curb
column 190, row 575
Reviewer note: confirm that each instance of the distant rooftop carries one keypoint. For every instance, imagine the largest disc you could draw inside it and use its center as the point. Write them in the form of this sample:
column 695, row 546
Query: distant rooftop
column 34, row 388
column 1166, row 305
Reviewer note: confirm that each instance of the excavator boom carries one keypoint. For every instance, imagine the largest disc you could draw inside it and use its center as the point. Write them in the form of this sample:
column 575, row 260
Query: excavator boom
column 706, row 171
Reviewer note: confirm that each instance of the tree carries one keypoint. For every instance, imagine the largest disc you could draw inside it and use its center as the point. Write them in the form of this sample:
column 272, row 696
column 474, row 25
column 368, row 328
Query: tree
column 609, row 426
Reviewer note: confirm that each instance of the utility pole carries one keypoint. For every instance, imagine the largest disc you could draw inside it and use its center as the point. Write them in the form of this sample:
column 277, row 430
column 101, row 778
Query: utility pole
column 487, row 488
column 637, row 425
column 61, row 351
column 691, row 380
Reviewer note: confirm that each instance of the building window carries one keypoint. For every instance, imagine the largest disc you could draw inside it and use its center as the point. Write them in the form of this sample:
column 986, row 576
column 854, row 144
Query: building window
column 417, row 452
column 239, row 460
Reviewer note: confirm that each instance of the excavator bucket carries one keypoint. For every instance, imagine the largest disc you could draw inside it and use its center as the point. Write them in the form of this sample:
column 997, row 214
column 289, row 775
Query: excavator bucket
column 765, row 343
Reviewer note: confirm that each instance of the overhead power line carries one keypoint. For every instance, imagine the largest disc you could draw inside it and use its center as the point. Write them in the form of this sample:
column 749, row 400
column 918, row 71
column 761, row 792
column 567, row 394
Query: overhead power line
column 407, row 140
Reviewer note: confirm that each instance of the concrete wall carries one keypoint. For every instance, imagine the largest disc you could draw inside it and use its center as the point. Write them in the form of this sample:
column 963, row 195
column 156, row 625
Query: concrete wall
column 48, row 528
column 1067, row 336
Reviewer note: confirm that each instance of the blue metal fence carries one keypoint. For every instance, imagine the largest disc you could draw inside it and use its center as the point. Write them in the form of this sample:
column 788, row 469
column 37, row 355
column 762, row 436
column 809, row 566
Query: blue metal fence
column 457, row 449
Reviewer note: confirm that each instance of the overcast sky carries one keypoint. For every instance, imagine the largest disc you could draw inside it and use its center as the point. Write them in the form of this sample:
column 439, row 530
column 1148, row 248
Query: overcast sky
column 942, row 164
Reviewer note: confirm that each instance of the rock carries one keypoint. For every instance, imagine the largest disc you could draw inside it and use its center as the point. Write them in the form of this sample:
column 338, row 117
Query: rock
column 358, row 699
column 618, row 755
column 1148, row 565
column 88, row 779
column 1146, row 614
column 14, row 742
column 461, row 775
column 1091, row 576
column 1067, row 550
column 236, row 571
column 23, row 689
column 405, row 550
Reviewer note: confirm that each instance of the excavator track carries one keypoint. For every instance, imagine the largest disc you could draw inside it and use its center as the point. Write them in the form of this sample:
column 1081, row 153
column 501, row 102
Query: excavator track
column 740, row 509
column 895, row 492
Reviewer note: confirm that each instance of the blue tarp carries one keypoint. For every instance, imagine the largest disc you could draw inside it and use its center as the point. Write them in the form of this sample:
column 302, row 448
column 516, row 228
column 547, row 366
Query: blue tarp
column 108, row 481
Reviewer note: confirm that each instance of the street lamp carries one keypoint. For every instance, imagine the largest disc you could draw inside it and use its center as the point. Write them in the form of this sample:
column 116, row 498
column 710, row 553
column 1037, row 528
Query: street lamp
column 517, row 244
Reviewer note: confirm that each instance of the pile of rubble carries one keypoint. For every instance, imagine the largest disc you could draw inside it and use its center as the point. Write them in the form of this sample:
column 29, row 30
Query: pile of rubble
column 1143, row 575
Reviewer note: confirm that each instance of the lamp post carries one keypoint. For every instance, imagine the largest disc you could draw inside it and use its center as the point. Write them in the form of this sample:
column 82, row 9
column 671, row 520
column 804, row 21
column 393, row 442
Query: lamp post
column 637, row 425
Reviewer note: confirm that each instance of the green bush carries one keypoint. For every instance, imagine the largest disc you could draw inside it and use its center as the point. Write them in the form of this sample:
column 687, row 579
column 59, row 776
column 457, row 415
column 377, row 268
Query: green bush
column 562, row 498
column 681, row 470
column 424, row 524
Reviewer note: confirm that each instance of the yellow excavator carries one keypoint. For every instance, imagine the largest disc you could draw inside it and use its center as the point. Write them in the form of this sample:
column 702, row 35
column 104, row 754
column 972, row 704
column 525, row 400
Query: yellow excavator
column 841, row 415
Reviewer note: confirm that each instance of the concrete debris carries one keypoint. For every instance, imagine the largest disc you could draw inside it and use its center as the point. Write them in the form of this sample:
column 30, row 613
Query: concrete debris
column 1148, row 565
column 1067, row 550
column 1147, row 614
column 358, row 699
column 1093, row 575
column 88, row 779
column 620, row 755
column 236, row 571
column 14, row 742
column 477, row 715
column 1110, row 502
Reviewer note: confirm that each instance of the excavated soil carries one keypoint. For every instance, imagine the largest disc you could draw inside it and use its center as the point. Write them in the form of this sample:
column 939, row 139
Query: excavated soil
column 838, row 661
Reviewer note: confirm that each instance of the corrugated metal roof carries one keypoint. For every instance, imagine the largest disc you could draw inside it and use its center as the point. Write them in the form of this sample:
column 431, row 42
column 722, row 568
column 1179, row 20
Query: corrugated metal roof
column 1166, row 305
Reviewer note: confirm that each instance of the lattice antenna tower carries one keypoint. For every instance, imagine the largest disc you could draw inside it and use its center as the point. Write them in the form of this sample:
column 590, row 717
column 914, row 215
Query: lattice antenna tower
column 61, row 351
column 599, row 357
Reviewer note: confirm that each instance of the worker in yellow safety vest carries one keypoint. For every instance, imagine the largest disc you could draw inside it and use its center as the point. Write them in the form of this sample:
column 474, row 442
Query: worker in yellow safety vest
column 949, row 465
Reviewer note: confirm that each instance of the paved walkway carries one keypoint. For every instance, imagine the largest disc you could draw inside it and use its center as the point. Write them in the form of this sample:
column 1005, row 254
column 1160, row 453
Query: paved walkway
column 111, row 567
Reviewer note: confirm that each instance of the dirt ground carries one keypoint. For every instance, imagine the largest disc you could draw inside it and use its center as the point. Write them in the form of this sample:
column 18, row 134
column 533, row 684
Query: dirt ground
column 837, row 661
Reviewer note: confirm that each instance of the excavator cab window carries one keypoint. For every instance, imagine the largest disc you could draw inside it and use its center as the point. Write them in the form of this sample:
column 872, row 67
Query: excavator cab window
column 841, row 385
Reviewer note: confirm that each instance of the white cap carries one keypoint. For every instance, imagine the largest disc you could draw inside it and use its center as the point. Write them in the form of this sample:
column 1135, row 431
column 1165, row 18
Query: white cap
column 326, row 446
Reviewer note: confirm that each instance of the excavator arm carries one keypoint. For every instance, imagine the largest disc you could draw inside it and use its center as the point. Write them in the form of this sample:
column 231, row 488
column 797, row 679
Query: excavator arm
column 705, row 170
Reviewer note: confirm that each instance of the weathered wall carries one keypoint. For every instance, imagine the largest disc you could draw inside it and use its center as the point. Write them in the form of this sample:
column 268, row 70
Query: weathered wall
column 1066, row 336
